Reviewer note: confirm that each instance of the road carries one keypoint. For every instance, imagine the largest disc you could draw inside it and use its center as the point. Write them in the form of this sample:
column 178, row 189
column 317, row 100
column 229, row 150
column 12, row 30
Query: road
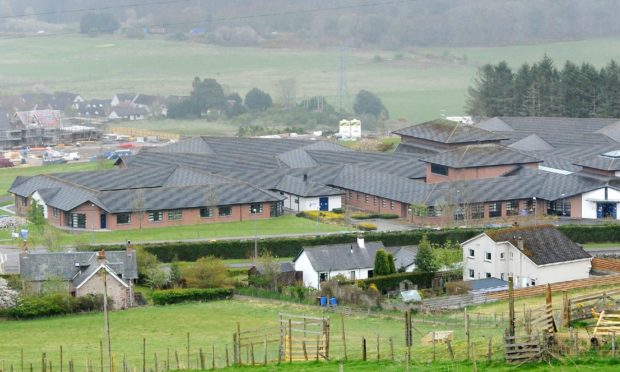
column 602, row 252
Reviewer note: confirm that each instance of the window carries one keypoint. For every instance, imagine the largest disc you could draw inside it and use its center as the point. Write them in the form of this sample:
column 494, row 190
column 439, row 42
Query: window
column 471, row 273
column 352, row 275
column 512, row 255
column 495, row 209
column 441, row 170
column 224, row 211
column 487, row 256
column 357, row 195
column 206, row 212
column 322, row 277
column 296, row 201
column 375, row 201
column 533, row 282
column 275, row 209
column 366, row 198
column 559, row 207
column 477, row 211
column 488, row 275
column 175, row 214
column 512, row 208
column 370, row 273
column 122, row 219
column 472, row 253
column 383, row 203
column 391, row 205
column 501, row 256
column 256, row 208
column 78, row 220
column 156, row 216
column 24, row 202
column 350, row 194
column 433, row 211
column 56, row 212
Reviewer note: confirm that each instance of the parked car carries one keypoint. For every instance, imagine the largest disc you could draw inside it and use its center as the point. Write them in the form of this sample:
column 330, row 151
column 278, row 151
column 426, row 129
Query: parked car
column 5, row 163
column 71, row 156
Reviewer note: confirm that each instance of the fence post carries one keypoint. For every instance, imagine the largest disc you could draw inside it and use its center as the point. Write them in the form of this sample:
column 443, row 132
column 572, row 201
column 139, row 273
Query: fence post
column 60, row 358
column 490, row 352
column 450, row 351
column 144, row 354
column 252, row 352
column 188, row 365
column 434, row 349
column 391, row 349
column 213, row 356
column 613, row 344
column 364, row 349
column 227, row 360
column 344, row 339
column 303, row 345
column 565, row 309
column 378, row 348
column 101, row 355
column 467, row 334
column 202, row 359
column 290, row 342
column 43, row 362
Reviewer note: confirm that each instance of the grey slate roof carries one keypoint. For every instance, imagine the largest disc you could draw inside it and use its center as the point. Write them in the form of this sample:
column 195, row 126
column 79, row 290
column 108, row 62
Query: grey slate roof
column 480, row 155
column 123, row 110
column 533, row 142
column 446, row 131
column 116, row 191
column 485, row 283
column 403, row 256
column 559, row 132
column 542, row 244
column 75, row 266
column 601, row 162
column 334, row 257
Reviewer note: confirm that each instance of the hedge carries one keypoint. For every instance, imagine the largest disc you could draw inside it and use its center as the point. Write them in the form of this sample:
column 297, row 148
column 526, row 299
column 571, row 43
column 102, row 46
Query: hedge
column 36, row 306
column 289, row 247
column 174, row 296
column 367, row 216
column 592, row 234
column 422, row 280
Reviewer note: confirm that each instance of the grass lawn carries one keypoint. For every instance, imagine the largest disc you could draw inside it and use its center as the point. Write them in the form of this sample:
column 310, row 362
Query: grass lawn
column 7, row 175
column 287, row 224
column 422, row 85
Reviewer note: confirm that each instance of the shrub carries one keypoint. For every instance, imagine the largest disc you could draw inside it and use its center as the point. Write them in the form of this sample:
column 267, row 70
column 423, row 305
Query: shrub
column 422, row 280
column 322, row 215
column 338, row 210
column 367, row 216
column 366, row 226
column 174, row 296
column 207, row 272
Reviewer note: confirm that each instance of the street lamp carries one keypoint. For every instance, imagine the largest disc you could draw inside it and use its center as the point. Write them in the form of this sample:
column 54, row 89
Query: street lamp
column 563, row 210
column 254, row 210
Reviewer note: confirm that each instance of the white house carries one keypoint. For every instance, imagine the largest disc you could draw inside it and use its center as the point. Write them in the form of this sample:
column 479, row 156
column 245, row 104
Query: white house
column 531, row 255
column 353, row 260
column 304, row 195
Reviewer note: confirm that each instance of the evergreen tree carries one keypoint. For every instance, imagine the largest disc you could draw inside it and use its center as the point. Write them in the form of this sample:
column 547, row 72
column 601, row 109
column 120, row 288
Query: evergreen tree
column 609, row 103
column 425, row 260
column 207, row 95
column 369, row 103
column 382, row 266
column 35, row 216
column 392, row 265
column 492, row 91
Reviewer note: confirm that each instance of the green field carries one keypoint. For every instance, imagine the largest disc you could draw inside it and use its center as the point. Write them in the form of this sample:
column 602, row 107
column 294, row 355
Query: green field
column 287, row 224
column 7, row 175
column 422, row 84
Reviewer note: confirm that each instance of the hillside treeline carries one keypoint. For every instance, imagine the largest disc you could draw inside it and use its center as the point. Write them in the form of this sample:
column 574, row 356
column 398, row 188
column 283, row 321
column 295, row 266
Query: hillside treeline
column 352, row 23
column 542, row 89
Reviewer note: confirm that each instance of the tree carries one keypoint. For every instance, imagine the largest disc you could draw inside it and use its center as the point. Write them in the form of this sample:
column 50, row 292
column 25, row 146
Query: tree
column 147, row 264
column 270, row 270
column 184, row 109
column 368, row 103
column 207, row 272
column 98, row 22
column 425, row 260
column 36, row 217
column 288, row 92
column 491, row 94
column 235, row 105
column 207, row 95
column 392, row 265
column 257, row 100
column 382, row 265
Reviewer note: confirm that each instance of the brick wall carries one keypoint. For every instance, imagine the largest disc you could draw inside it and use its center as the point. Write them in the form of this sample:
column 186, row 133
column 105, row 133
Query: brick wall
column 116, row 291
column 374, row 204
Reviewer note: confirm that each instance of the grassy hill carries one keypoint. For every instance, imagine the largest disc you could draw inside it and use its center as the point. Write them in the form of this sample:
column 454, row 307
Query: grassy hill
column 416, row 85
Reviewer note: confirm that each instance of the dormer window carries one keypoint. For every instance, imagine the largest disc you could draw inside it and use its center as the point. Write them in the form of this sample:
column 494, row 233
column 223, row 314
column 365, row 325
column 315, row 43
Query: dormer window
column 439, row 169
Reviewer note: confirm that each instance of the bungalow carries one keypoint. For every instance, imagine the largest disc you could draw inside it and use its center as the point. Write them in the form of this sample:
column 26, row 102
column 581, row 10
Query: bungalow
column 81, row 273
column 353, row 261
column 127, row 112
column 531, row 255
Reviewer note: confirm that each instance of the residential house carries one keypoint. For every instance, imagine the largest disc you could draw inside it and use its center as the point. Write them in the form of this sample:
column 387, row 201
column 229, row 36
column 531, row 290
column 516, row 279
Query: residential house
column 122, row 98
column 127, row 112
column 94, row 108
column 353, row 261
column 81, row 273
column 532, row 255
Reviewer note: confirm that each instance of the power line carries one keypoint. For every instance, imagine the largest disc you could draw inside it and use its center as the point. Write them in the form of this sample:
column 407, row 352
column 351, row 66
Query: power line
column 79, row 10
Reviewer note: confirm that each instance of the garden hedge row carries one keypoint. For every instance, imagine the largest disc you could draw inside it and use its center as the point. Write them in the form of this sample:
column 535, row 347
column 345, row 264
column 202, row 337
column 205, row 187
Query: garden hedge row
column 37, row 306
column 290, row 247
column 422, row 280
column 175, row 296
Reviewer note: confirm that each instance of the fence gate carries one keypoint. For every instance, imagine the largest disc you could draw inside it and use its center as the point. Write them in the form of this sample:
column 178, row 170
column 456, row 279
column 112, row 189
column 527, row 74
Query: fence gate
column 304, row 337
column 581, row 307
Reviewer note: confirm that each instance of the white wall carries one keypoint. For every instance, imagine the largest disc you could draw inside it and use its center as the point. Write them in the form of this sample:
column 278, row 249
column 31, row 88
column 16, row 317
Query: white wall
column 516, row 264
column 311, row 277
column 588, row 208
column 310, row 204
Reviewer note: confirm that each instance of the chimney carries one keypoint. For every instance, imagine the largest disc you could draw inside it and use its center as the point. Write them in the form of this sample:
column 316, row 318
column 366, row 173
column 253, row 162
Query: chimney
column 360, row 241
column 520, row 243
column 101, row 255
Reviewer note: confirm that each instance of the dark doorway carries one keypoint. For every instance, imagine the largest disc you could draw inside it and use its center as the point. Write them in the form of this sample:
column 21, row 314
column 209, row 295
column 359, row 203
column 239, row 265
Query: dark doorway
column 324, row 204
column 104, row 221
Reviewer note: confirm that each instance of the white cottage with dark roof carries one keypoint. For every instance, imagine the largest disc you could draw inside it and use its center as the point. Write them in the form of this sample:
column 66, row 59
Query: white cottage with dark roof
column 531, row 255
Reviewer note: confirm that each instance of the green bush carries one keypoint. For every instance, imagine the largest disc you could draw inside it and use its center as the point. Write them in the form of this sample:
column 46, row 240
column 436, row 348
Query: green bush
column 392, row 282
column 338, row 210
column 367, row 216
column 174, row 296
column 609, row 233
column 36, row 306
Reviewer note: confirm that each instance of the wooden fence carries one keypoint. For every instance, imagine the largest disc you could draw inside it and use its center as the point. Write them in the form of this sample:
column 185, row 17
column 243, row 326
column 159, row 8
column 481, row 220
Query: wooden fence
column 521, row 349
column 558, row 287
column 135, row 132
column 606, row 264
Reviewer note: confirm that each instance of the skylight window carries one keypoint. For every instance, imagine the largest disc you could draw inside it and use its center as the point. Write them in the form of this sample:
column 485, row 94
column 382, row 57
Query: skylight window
column 612, row 154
